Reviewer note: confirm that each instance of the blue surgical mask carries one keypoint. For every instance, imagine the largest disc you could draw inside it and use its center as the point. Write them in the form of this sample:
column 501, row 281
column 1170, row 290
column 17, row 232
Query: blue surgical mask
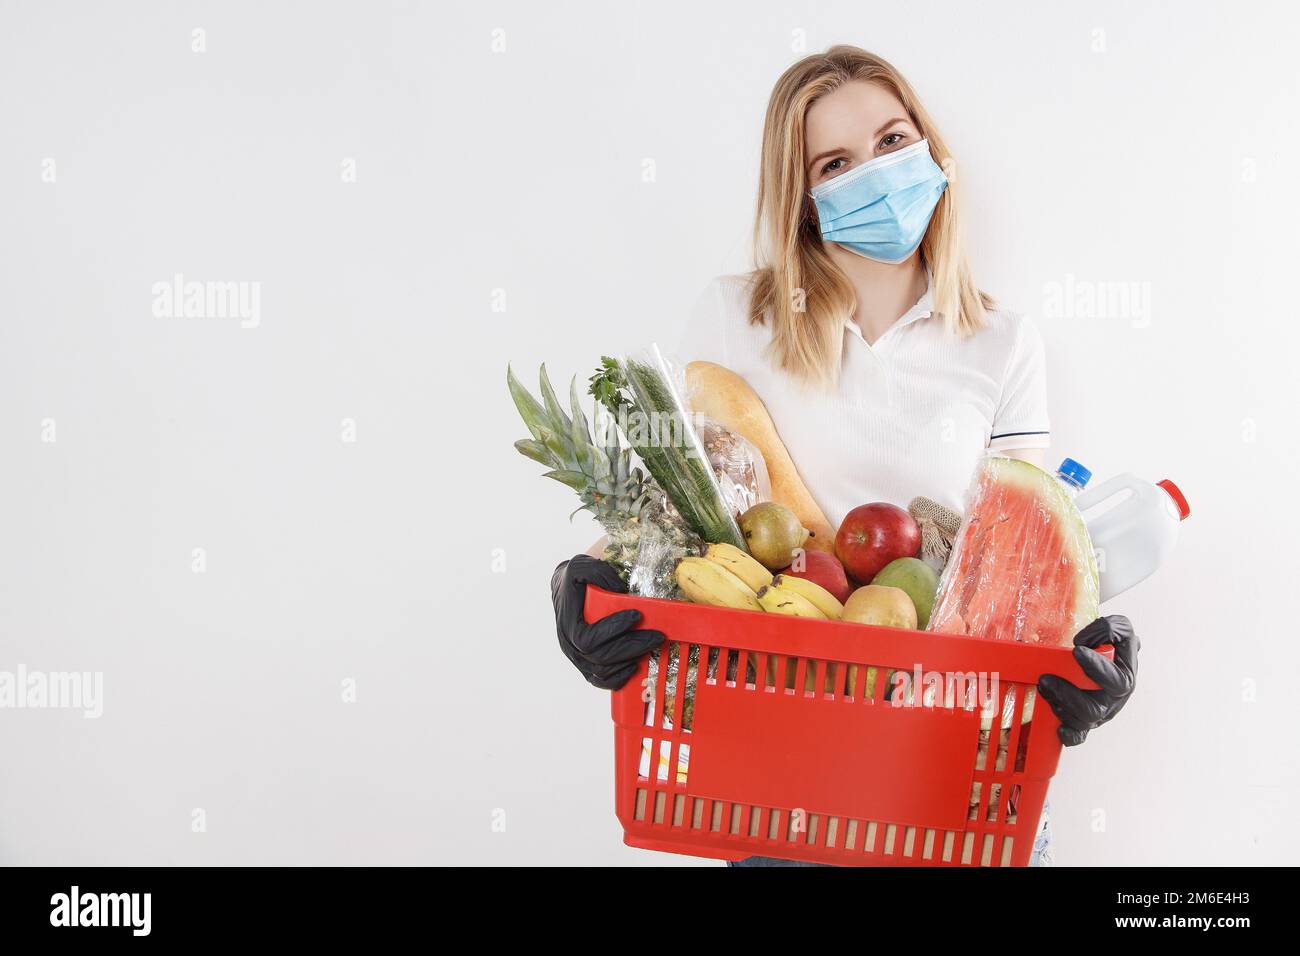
column 882, row 208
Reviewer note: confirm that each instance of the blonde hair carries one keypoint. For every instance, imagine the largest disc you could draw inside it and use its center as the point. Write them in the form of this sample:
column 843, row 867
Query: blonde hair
column 789, row 256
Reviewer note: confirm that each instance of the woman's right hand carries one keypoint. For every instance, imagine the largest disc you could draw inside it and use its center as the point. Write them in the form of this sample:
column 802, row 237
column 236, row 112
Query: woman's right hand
column 606, row 652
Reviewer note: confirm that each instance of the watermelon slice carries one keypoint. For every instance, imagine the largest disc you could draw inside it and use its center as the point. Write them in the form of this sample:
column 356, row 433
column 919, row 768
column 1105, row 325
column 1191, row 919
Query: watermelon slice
column 1022, row 567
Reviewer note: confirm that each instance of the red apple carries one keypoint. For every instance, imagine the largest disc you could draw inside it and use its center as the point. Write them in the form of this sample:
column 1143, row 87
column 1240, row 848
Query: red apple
column 822, row 567
column 873, row 535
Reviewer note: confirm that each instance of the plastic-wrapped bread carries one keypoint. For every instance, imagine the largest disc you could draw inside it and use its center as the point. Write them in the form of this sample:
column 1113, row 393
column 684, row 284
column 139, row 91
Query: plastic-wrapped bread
column 723, row 396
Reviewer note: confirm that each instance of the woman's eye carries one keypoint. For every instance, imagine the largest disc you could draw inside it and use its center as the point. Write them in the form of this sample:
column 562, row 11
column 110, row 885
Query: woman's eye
column 834, row 166
column 893, row 139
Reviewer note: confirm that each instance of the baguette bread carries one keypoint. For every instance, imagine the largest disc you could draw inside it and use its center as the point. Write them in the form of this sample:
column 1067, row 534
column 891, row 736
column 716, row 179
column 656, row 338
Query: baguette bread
column 722, row 395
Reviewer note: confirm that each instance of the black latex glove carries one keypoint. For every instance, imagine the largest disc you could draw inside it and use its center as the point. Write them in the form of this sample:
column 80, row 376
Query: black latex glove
column 607, row 651
column 1081, row 710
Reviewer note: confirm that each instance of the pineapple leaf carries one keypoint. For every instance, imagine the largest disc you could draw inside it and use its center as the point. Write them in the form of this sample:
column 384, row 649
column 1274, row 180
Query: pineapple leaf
column 600, row 469
column 530, row 411
column 574, row 479
column 580, row 432
column 555, row 443
column 536, row 451
column 575, row 405
column 585, row 454
column 559, row 420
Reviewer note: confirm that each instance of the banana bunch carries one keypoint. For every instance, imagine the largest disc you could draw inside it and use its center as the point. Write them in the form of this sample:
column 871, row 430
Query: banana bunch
column 728, row 577
column 725, row 577
column 801, row 598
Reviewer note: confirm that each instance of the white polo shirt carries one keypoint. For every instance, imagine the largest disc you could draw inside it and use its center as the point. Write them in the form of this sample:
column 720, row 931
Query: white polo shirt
column 913, row 413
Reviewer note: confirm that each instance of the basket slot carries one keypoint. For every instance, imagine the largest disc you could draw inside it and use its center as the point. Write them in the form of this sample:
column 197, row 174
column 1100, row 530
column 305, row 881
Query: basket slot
column 995, row 796
column 854, row 680
column 1011, row 699
column 910, row 846
column 851, row 835
column 673, row 688
column 832, row 832
column 891, row 835
column 697, row 812
column 651, row 768
column 658, row 662
column 1022, row 747
column 679, row 808
column 809, row 838
column 733, row 666
column 836, row 679
column 805, row 673
column 711, row 668
column 689, row 683
column 881, row 690
column 967, row 847
column 949, row 840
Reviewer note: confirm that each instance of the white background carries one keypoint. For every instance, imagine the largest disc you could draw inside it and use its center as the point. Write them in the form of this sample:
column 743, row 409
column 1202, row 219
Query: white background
column 1113, row 142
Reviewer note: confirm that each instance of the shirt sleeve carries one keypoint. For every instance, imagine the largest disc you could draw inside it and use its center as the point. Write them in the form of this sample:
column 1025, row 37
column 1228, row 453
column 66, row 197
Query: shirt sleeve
column 1021, row 420
column 704, row 338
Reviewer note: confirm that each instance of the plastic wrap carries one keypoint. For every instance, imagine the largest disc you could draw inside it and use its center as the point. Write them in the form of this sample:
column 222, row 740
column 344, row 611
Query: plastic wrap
column 662, row 540
column 737, row 464
column 643, row 392
column 1022, row 567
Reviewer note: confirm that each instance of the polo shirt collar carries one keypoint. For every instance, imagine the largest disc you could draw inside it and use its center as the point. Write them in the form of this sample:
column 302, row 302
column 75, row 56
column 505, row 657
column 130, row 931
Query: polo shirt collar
column 923, row 309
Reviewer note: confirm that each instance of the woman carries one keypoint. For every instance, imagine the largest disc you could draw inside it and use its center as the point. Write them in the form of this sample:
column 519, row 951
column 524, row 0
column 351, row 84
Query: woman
column 886, row 371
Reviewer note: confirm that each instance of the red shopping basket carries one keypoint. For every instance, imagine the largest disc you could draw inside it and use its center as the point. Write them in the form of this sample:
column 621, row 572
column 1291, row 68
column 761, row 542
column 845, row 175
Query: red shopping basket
column 790, row 746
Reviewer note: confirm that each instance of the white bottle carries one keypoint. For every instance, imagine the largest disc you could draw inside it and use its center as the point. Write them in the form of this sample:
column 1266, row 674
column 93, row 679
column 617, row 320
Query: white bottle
column 1134, row 537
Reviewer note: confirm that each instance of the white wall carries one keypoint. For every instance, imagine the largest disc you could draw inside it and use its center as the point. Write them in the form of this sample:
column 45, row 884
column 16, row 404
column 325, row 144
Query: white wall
column 1148, row 143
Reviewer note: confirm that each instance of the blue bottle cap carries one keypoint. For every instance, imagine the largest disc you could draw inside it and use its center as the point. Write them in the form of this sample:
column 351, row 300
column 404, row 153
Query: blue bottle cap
column 1074, row 473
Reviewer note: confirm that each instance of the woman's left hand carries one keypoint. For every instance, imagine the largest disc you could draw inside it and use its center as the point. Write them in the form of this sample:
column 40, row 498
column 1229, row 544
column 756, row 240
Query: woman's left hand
column 1081, row 710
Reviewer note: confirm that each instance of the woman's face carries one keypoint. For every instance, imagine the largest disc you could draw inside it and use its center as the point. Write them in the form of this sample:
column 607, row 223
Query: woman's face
column 852, row 125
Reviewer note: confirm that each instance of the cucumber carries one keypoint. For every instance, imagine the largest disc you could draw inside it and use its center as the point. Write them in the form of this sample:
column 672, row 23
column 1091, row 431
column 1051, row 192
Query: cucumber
column 647, row 409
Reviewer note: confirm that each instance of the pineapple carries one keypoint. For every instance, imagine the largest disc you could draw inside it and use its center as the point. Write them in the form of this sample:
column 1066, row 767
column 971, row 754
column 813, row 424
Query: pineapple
column 629, row 506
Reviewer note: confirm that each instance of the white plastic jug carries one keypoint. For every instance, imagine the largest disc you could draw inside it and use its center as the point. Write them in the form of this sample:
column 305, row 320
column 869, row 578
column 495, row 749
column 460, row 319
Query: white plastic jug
column 1134, row 537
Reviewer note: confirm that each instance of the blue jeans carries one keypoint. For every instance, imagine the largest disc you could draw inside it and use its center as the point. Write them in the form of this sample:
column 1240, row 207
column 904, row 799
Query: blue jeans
column 1041, row 855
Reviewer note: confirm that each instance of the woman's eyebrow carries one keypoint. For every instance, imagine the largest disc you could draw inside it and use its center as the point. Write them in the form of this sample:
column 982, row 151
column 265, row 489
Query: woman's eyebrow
column 896, row 120
column 823, row 155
